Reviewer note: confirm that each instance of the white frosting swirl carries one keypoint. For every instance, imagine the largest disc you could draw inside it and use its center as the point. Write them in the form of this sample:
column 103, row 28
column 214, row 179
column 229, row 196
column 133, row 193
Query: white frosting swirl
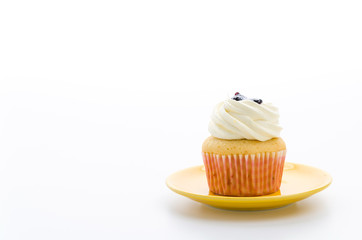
column 245, row 120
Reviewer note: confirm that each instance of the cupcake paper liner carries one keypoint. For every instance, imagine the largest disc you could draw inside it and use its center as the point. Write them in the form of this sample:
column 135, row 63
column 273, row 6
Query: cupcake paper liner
column 244, row 175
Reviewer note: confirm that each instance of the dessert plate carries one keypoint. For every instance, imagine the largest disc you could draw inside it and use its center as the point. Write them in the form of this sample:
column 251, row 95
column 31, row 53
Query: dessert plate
column 298, row 182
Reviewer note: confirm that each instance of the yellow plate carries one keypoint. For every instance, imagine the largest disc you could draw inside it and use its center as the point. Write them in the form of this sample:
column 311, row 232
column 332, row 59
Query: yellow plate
column 298, row 182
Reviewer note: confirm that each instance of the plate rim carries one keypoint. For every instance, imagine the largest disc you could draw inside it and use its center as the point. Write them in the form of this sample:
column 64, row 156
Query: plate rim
column 251, row 199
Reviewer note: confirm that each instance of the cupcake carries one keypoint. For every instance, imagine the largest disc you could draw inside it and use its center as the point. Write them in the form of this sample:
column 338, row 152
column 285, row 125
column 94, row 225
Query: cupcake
column 244, row 156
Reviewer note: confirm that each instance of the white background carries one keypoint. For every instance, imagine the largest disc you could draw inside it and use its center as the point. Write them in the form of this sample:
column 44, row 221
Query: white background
column 101, row 100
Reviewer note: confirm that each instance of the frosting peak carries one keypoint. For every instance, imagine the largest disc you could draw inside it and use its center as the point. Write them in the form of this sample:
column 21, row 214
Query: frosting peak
column 245, row 119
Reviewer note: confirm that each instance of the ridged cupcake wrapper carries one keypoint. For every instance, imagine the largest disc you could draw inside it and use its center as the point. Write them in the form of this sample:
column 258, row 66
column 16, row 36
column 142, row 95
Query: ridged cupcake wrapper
column 244, row 175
